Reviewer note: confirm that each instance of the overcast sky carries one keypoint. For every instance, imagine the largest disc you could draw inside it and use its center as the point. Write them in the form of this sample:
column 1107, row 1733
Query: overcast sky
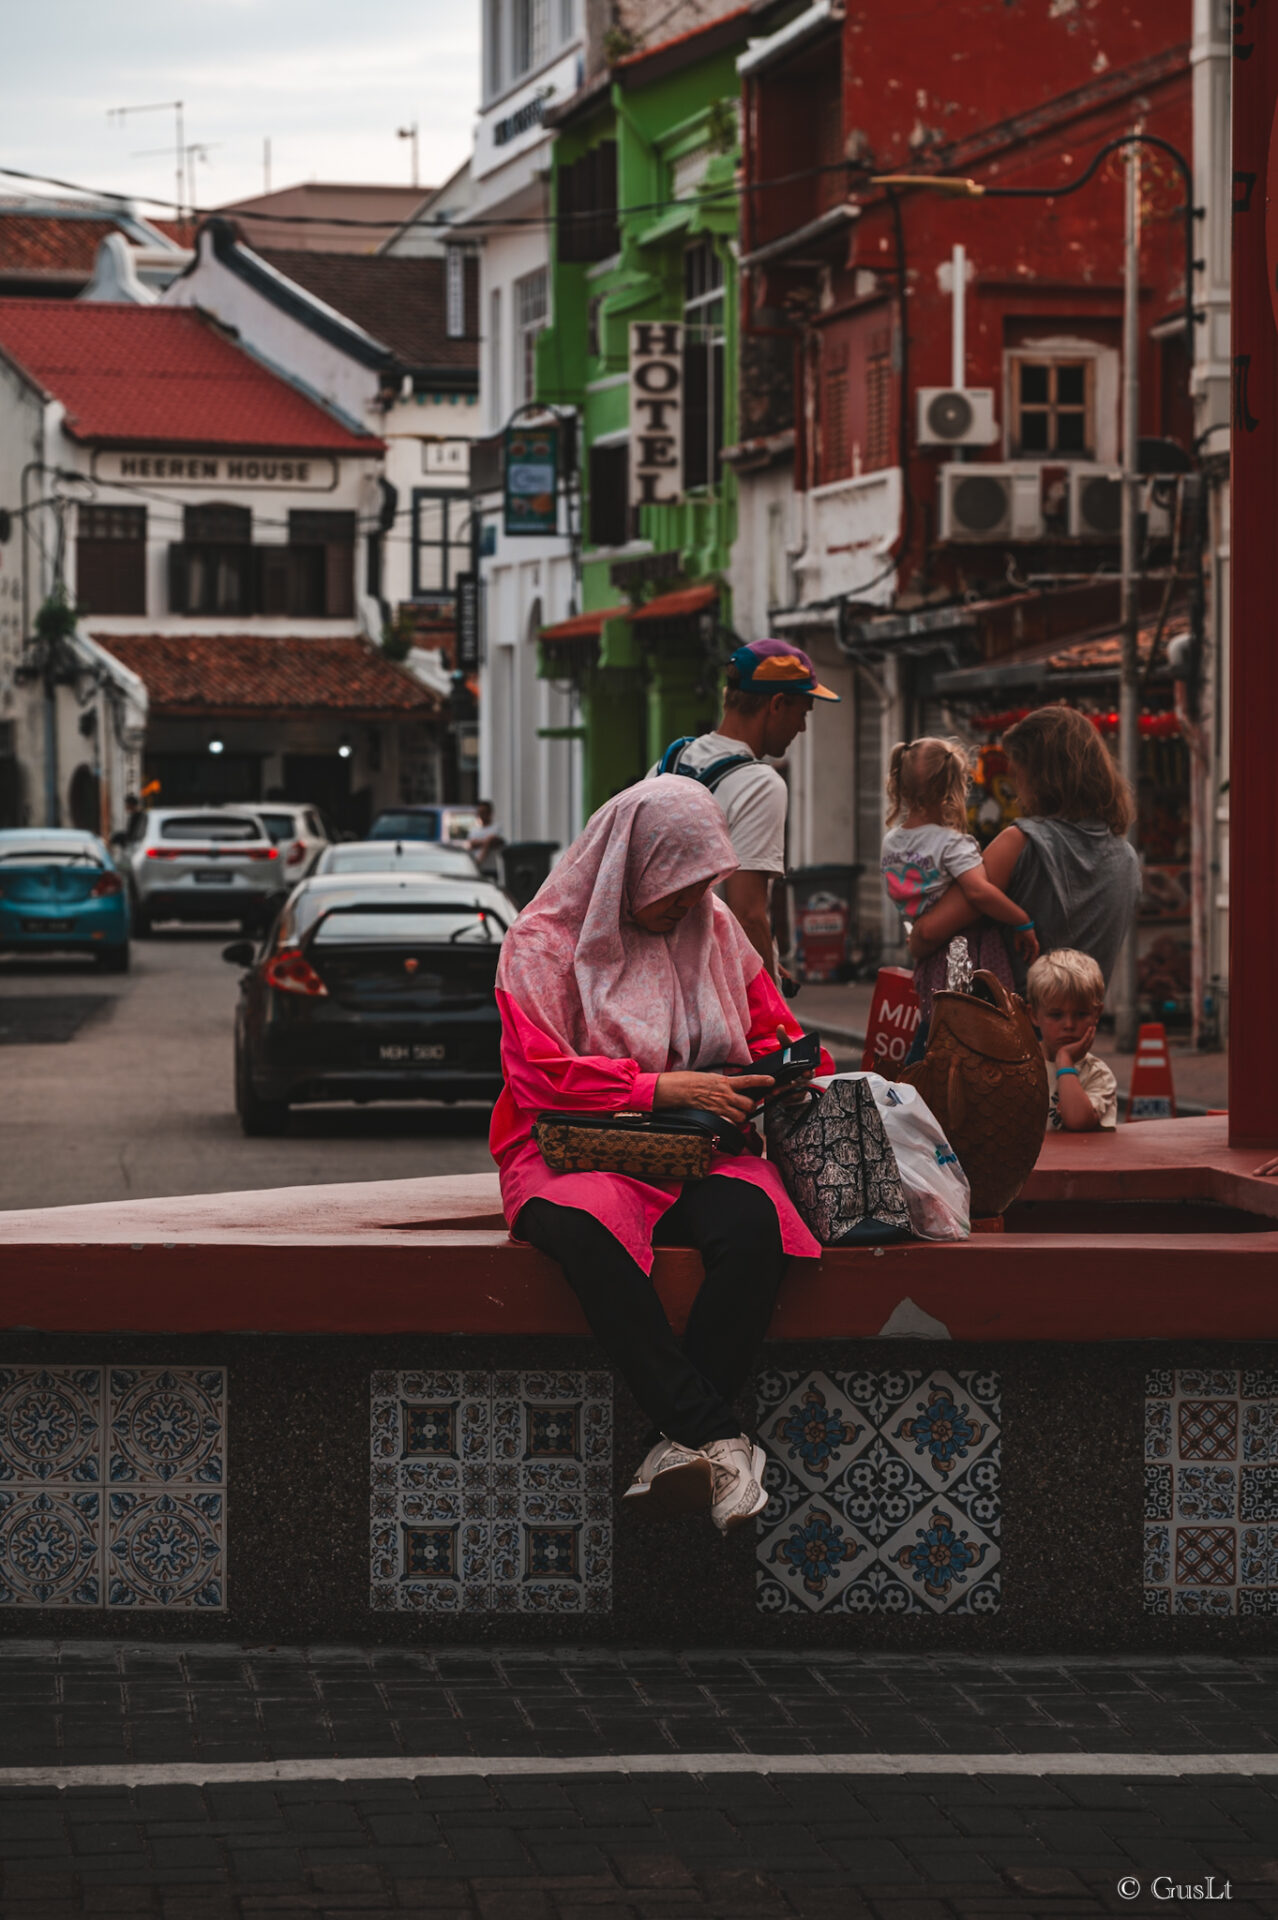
column 328, row 81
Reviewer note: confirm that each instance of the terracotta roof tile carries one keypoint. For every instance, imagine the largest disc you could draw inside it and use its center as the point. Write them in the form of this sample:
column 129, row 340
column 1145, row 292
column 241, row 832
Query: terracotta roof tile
column 400, row 299
column 48, row 243
column 248, row 674
column 163, row 376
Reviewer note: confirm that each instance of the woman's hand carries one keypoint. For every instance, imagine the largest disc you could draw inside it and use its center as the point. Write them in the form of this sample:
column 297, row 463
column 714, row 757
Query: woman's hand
column 733, row 1099
column 1025, row 940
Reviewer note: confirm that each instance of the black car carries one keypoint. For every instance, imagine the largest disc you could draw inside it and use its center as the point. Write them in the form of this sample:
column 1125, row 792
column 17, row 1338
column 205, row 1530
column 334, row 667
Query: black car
column 376, row 987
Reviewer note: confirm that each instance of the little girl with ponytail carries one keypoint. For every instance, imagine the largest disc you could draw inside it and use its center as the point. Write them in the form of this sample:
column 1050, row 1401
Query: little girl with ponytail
column 931, row 850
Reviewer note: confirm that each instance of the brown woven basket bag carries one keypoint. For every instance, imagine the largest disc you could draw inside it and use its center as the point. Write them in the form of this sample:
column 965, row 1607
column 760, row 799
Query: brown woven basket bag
column 983, row 1077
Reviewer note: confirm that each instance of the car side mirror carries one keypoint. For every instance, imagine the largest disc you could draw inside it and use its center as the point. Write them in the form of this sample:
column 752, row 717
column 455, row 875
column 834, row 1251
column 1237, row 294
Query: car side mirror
column 240, row 953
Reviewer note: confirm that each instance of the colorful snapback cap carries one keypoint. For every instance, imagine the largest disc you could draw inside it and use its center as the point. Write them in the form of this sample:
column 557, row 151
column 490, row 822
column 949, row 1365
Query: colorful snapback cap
column 774, row 666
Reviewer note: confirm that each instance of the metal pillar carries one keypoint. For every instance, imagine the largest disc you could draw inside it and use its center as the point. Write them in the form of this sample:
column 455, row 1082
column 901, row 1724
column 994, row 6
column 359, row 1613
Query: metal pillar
column 1253, row 810
column 1127, row 1009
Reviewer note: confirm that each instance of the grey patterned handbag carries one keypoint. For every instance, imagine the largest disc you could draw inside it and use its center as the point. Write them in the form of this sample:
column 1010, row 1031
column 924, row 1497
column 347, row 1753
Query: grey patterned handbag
column 838, row 1166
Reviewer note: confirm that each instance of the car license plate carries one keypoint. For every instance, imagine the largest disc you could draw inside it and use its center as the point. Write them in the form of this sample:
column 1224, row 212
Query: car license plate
column 47, row 926
column 209, row 877
column 404, row 1053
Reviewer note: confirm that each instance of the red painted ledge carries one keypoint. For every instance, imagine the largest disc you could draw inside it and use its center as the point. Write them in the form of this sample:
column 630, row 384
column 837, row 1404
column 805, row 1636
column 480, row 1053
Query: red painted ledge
column 432, row 1257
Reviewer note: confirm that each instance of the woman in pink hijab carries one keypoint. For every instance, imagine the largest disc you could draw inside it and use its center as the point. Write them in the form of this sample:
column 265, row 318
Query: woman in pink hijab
column 619, row 986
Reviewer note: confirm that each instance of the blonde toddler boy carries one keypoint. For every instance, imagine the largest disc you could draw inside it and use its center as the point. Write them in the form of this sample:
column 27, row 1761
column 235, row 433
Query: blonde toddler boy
column 1066, row 991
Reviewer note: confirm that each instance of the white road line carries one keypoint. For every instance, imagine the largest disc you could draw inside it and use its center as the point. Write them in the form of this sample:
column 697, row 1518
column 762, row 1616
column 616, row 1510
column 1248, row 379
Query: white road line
column 398, row 1766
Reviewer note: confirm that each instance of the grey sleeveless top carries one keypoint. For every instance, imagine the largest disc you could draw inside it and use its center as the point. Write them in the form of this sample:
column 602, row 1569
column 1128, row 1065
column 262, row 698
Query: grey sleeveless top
column 1079, row 884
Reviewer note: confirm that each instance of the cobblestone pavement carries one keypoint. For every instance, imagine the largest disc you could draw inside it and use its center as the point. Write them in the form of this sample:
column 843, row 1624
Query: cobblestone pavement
column 177, row 1821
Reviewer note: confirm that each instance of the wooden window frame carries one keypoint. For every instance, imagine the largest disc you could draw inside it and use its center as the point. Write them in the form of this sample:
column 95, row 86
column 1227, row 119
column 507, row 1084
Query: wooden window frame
column 110, row 564
column 1020, row 358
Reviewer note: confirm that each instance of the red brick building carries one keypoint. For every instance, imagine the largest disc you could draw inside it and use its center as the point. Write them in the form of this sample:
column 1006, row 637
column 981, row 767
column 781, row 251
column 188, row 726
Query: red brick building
column 924, row 516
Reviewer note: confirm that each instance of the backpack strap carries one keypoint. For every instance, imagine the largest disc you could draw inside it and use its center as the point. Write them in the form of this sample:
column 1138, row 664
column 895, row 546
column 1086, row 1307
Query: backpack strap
column 671, row 762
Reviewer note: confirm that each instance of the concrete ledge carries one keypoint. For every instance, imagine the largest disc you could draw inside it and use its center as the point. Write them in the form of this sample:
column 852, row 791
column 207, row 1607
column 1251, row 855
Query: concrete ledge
column 433, row 1257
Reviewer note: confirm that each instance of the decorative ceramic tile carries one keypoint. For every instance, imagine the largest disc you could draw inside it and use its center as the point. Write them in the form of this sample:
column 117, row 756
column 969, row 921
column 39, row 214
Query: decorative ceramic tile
column 883, row 1492
column 491, row 1492
column 50, row 1424
column 1211, row 1476
column 112, row 1487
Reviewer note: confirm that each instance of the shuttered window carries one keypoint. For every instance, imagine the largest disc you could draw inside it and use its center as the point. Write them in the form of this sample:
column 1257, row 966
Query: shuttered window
column 703, row 365
column 587, row 203
column 110, row 559
column 212, row 570
column 610, row 495
column 323, row 544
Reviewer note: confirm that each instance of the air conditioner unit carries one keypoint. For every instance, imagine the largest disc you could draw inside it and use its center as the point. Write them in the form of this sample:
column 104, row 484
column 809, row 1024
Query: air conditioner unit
column 1095, row 503
column 987, row 502
column 956, row 417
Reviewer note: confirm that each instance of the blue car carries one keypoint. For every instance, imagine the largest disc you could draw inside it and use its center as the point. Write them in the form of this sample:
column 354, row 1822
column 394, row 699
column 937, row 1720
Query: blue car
column 59, row 891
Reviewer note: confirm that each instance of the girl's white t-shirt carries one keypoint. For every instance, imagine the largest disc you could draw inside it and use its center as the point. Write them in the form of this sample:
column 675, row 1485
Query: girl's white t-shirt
column 919, row 863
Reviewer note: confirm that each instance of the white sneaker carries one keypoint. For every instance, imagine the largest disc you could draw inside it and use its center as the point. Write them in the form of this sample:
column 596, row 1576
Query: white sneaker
column 672, row 1479
column 738, row 1482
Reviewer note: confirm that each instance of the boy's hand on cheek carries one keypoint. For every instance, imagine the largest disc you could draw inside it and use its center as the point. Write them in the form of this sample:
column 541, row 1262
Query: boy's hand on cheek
column 1071, row 1055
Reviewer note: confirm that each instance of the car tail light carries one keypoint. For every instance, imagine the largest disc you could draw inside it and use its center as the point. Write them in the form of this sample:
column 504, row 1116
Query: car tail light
column 297, row 851
column 291, row 972
column 167, row 853
column 109, row 883
column 262, row 853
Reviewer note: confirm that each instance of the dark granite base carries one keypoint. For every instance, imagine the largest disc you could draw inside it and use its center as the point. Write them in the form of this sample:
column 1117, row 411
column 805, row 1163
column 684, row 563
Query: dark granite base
column 298, row 1506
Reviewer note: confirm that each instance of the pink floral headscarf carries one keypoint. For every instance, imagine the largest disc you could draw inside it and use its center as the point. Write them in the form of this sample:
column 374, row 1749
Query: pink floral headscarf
column 581, row 969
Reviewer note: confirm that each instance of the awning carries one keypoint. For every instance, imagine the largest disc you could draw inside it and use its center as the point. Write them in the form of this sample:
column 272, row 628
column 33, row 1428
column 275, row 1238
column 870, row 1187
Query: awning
column 285, row 676
column 583, row 626
column 1048, row 668
column 676, row 606
column 667, row 606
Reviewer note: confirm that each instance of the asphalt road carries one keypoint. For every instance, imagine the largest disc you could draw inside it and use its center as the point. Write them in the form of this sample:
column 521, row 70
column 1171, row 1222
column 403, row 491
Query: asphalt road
column 128, row 1094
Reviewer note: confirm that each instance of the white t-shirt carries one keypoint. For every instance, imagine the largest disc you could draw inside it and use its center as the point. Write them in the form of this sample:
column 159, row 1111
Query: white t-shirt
column 1100, row 1086
column 752, row 800
column 919, row 864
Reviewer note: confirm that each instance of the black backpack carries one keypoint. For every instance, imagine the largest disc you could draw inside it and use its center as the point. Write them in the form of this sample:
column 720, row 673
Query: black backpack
column 671, row 762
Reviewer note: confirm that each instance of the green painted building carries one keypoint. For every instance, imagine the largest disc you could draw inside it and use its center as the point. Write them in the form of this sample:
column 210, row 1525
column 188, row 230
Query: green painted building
column 643, row 187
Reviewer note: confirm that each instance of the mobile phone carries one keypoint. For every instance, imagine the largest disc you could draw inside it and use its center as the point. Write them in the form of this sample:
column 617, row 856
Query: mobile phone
column 801, row 1057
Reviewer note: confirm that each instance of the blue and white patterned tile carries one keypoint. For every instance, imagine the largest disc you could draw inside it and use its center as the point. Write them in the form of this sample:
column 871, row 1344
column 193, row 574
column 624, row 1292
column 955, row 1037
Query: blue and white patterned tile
column 1207, row 1383
column 168, row 1425
column 51, row 1425
column 1206, row 1602
column 1258, row 1601
column 1258, row 1557
column 942, row 1554
column 166, row 1548
column 513, row 1471
column 811, row 1556
column 1260, row 1431
column 939, row 1428
column 1158, row 1430
column 1206, row 1493
column 858, row 1464
column 1158, row 1560
column 50, row 1547
column 1258, row 1493
column 1260, row 1383
column 1158, row 1492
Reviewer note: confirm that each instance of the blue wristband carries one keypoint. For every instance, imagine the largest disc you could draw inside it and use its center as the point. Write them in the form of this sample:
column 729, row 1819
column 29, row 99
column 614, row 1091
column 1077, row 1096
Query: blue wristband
column 1061, row 1071
column 1026, row 926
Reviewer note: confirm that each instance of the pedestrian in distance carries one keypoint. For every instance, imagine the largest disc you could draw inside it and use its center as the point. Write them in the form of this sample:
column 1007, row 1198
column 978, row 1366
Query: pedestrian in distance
column 627, row 985
column 1066, row 859
column 769, row 691
column 927, row 850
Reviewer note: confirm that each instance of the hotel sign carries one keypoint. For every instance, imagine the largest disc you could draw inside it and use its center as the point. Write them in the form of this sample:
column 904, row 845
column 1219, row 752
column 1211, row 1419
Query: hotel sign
column 299, row 472
column 656, row 412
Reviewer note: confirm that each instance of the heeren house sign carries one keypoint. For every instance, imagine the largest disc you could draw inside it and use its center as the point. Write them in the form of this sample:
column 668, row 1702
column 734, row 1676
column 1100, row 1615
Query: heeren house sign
column 307, row 472
column 656, row 412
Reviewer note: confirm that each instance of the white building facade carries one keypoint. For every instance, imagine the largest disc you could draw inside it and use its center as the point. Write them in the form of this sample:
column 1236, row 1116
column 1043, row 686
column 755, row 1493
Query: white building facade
column 529, row 765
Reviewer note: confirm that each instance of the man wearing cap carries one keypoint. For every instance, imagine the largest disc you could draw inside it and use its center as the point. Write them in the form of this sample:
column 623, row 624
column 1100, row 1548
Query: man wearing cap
column 768, row 695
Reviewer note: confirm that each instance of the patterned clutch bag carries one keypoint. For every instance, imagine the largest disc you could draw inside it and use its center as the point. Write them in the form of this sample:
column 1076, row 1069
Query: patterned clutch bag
column 676, row 1144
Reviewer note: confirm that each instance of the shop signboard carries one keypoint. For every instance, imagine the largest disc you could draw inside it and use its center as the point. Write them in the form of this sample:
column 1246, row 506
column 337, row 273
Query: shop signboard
column 467, row 597
column 532, row 479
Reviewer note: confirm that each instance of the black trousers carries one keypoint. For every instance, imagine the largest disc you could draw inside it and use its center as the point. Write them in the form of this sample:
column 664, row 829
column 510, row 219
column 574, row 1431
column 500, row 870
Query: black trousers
column 686, row 1387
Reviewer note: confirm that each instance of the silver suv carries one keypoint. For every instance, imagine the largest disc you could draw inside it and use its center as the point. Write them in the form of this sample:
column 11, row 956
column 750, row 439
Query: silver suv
column 201, row 863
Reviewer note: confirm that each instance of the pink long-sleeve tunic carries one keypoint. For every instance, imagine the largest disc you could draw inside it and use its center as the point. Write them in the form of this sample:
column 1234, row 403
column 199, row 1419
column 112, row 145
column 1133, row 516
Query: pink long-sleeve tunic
column 542, row 1077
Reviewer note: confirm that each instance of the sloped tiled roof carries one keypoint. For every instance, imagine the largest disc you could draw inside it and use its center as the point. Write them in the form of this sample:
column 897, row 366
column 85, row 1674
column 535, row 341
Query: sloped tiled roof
column 246, row 674
column 163, row 377
column 49, row 243
column 400, row 300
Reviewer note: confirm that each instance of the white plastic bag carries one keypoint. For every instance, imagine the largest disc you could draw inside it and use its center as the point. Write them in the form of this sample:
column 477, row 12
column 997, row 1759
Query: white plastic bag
column 936, row 1190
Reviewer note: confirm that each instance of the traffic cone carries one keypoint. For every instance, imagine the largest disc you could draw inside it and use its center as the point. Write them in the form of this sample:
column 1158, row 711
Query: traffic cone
column 893, row 1021
column 1151, row 1095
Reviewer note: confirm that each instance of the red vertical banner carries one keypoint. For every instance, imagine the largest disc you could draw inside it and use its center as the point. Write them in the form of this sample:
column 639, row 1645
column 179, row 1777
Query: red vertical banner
column 1253, row 794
